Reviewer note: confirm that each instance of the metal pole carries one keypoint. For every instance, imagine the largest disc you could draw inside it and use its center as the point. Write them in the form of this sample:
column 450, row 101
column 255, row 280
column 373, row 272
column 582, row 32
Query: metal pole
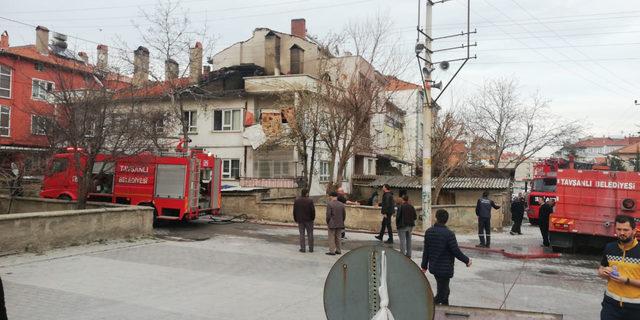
column 427, row 124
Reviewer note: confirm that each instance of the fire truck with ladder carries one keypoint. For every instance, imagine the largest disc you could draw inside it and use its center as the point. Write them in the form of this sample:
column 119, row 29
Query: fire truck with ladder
column 181, row 185
column 588, row 202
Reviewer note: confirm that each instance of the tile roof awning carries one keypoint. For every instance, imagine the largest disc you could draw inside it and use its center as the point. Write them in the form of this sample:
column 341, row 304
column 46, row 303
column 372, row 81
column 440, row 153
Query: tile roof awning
column 452, row 183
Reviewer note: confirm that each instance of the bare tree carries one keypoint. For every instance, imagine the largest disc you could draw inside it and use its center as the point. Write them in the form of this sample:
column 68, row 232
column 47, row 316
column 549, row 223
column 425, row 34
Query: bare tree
column 450, row 150
column 358, row 88
column 174, row 42
column 499, row 116
column 87, row 119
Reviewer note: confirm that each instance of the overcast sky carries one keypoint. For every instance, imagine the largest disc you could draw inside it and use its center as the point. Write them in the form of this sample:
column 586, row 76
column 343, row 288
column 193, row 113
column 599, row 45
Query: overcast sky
column 583, row 55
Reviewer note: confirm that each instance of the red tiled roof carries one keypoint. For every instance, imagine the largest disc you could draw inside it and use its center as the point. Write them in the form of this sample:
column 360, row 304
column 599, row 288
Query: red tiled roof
column 630, row 149
column 606, row 141
column 30, row 52
column 395, row 84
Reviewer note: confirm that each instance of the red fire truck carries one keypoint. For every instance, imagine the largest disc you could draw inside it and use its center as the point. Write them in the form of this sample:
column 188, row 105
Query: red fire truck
column 587, row 204
column 543, row 186
column 179, row 186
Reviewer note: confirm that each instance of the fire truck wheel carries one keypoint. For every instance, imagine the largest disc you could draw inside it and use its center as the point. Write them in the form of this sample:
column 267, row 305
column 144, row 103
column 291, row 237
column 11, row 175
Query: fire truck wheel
column 64, row 197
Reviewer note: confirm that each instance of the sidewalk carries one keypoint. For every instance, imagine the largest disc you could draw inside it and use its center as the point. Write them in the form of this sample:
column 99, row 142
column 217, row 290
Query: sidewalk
column 248, row 271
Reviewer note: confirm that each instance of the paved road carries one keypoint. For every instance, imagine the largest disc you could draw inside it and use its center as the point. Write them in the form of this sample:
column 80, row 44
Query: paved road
column 249, row 271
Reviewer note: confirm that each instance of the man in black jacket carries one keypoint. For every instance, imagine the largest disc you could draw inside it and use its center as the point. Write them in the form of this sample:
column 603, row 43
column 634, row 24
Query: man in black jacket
column 3, row 310
column 440, row 249
column 517, row 213
column 483, row 211
column 387, row 209
column 304, row 213
column 543, row 220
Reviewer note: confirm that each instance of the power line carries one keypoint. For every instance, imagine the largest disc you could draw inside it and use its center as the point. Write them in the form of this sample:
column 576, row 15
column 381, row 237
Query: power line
column 632, row 86
column 554, row 61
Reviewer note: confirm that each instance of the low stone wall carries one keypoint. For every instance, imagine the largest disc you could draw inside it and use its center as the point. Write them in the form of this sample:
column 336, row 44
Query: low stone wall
column 56, row 224
column 462, row 218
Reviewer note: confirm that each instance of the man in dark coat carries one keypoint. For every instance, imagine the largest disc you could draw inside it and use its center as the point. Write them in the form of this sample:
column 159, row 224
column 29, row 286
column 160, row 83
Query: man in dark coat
column 543, row 220
column 3, row 309
column 335, row 223
column 387, row 209
column 440, row 249
column 405, row 221
column 483, row 211
column 342, row 197
column 517, row 213
column 304, row 213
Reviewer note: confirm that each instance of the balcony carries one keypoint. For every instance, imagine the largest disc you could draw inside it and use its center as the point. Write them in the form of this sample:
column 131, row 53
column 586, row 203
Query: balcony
column 282, row 83
column 269, row 182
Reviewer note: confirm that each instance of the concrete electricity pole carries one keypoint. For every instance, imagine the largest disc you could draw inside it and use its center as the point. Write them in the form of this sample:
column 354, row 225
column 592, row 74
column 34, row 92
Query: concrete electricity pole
column 427, row 123
column 429, row 103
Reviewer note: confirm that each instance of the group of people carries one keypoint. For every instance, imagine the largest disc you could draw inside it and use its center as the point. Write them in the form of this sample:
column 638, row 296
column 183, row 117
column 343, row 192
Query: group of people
column 440, row 244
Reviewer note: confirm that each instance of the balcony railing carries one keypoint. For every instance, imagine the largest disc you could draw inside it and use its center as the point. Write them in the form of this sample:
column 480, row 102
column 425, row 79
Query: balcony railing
column 268, row 182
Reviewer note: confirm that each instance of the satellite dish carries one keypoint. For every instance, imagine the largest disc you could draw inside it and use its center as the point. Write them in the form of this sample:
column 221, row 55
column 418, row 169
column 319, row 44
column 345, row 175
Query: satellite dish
column 14, row 169
column 351, row 288
column 444, row 65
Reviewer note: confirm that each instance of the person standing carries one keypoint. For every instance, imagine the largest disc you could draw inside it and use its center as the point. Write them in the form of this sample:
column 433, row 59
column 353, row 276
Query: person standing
column 543, row 220
column 405, row 221
column 387, row 209
column 483, row 211
column 3, row 309
column 335, row 223
column 517, row 214
column 342, row 197
column 620, row 266
column 304, row 213
column 440, row 249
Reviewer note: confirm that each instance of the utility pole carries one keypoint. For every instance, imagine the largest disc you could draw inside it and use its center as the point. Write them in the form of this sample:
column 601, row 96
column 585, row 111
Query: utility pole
column 427, row 119
column 429, row 103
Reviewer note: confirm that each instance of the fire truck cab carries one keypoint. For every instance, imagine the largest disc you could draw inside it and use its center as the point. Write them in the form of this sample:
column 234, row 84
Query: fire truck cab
column 179, row 186
column 543, row 186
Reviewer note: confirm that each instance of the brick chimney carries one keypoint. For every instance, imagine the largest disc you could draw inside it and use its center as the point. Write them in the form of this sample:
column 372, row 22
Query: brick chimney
column 83, row 55
column 42, row 40
column 140, row 66
column 102, row 61
column 171, row 69
column 4, row 40
column 299, row 28
column 195, row 63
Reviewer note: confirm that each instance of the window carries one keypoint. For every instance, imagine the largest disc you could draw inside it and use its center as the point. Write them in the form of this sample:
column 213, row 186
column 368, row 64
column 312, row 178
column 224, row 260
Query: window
column 226, row 120
column 191, row 119
column 159, row 125
column 371, row 166
column 5, row 116
column 39, row 66
column 39, row 125
column 5, row 82
column 324, row 171
column 40, row 89
column 230, row 168
column 297, row 59
column 274, row 168
column 59, row 165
